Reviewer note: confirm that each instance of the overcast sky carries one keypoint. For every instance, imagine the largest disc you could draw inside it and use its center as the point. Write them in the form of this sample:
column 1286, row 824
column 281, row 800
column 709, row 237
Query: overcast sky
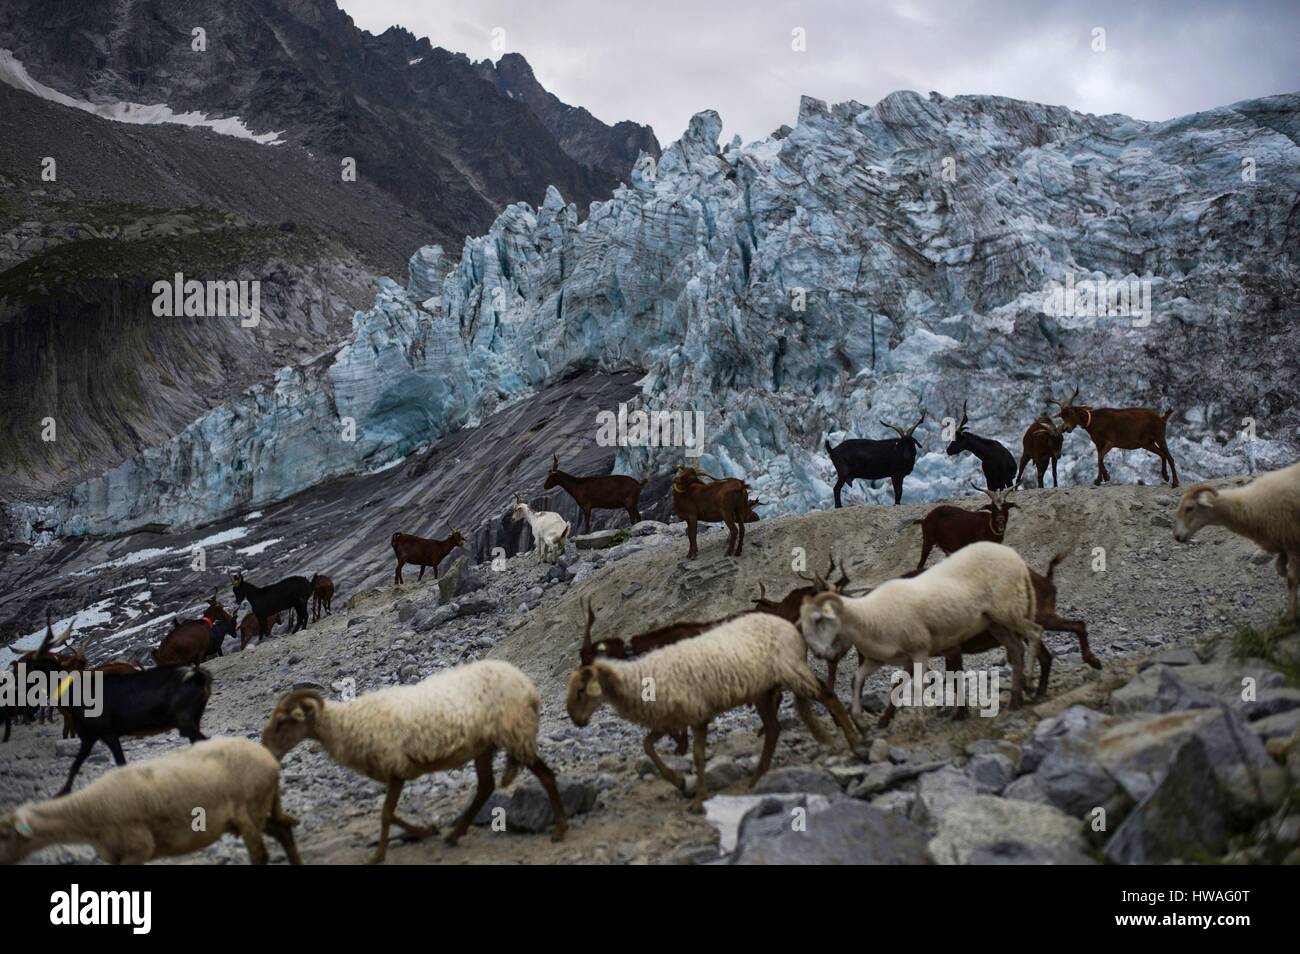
column 660, row 61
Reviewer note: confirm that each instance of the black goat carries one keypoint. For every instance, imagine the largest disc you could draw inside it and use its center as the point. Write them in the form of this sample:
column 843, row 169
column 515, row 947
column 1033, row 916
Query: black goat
column 292, row 592
column 892, row 458
column 999, row 466
column 139, row 703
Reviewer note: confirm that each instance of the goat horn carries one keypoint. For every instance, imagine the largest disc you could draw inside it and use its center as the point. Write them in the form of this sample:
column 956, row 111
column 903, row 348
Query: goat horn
column 894, row 427
column 555, row 461
column 919, row 422
column 762, row 593
column 964, row 416
column 983, row 490
column 586, row 634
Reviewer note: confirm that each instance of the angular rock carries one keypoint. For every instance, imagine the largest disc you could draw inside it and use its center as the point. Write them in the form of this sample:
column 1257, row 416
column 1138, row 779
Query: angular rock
column 600, row 539
column 1159, row 689
column 798, row 779
column 991, row 772
column 987, row 830
column 938, row 792
column 844, row 832
column 528, row 809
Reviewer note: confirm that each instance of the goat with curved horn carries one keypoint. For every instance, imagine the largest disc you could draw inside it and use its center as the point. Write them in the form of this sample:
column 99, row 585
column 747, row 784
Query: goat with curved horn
column 996, row 461
column 860, row 459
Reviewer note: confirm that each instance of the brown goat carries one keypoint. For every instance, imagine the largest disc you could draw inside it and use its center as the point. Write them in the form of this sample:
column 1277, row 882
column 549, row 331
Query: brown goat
column 250, row 629
column 194, row 640
column 611, row 492
column 1042, row 444
column 1124, row 428
column 722, row 500
column 322, row 593
column 422, row 553
column 1045, row 616
column 951, row 528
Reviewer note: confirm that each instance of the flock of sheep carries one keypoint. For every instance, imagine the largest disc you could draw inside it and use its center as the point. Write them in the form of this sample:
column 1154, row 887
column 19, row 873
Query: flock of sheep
column 676, row 679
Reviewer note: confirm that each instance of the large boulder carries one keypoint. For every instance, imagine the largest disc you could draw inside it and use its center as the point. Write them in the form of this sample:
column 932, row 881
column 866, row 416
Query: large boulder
column 841, row 831
column 988, row 830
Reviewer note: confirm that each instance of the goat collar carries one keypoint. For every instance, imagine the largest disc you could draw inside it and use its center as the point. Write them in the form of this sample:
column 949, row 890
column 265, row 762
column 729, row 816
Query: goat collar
column 996, row 531
column 678, row 488
column 207, row 621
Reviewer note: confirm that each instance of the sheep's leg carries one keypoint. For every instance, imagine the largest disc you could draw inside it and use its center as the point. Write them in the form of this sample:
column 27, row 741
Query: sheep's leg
column 700, row 734
column 672, row 778
column 280, row 827
column 1292, row 581
column 386, row 819
column 833, row 705
column 682, row 740
column 486, row 785
column 832, row 666
column 767, row 709
column 803, row 708
column 252, row 835
column 865, row 668
column 547, row 778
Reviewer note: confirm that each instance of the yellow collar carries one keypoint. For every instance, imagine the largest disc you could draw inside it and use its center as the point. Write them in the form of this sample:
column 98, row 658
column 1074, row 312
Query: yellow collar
column 996, row 532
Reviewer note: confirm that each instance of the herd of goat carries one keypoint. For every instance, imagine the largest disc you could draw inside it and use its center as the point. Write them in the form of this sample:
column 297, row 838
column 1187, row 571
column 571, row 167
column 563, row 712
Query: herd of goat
column 982, row 597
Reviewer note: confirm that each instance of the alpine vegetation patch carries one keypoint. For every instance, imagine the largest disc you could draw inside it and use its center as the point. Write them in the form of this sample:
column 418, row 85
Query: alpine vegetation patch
column 1128, row 297
column 194, row 298
column 978, row 688
column 640, row 428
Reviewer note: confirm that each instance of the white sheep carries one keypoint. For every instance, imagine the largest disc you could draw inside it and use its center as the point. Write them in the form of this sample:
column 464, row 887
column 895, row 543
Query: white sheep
column 397, row 734
column 550, row 530
column 749, row 659
column 1266, row 511
column 904, row 622
column 153, row 809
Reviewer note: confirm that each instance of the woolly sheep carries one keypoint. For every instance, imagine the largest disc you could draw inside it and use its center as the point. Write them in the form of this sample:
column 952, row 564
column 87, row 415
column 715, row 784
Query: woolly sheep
column 906, row 621
column 1266, row 511
column 397, row 734
column 146, row 810
column 746, row 660
column 550, row 530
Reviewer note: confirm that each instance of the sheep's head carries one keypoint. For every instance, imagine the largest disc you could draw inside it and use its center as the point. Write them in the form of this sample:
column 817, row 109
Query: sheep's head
column 293, row 720
column 16, row 841
column 585, row 695
column 1195, row 510
column 820, row 621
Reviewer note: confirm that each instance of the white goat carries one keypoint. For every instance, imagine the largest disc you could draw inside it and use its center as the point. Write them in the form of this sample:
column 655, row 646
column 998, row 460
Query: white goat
column 906, row 621
column 146, row 810
column 1266, row 511
column 394, row 735
column 550, row 530
column 685, row 684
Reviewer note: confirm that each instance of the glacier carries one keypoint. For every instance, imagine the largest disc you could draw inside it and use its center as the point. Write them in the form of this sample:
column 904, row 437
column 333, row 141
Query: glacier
column 864, row 265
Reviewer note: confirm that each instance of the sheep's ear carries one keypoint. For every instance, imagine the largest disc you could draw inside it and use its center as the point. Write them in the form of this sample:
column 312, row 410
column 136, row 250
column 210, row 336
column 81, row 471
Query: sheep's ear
column 593, row 686
column 298, row 713
column 1202, row 498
